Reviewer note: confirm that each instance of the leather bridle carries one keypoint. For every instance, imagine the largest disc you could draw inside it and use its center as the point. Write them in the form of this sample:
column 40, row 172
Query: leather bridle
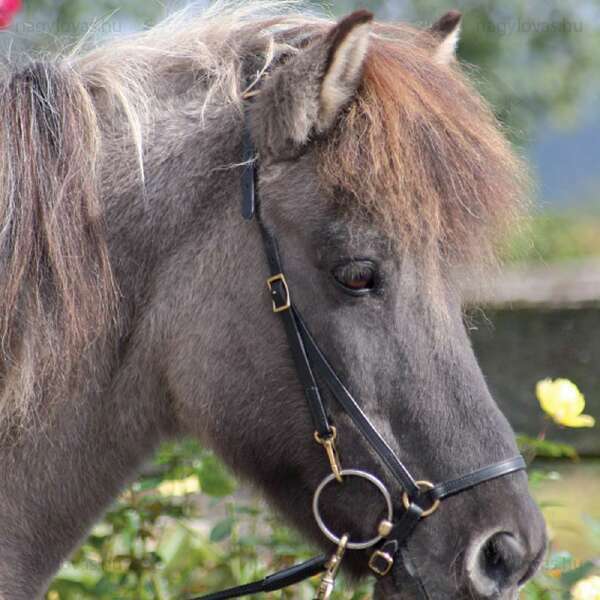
column 420, row 499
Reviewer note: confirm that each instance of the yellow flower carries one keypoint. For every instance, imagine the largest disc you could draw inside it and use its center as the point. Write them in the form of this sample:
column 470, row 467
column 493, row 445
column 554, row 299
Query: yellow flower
column 179, row 487
column 562, row 400
column 587, row 589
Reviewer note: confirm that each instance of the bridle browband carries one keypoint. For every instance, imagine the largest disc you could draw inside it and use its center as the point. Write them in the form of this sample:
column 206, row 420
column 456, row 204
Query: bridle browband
column 419, row 498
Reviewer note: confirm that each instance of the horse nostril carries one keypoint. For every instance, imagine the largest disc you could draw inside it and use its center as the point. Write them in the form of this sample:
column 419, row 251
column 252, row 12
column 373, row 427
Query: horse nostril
column 501, row 557
column 498, row 563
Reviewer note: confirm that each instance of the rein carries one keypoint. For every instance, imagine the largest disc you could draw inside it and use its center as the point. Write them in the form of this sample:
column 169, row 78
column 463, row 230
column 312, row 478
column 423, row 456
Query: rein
column 420, row 498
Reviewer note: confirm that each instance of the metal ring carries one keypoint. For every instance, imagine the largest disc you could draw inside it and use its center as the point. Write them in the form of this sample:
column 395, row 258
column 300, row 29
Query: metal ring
column 356, row 473
column 423, row 485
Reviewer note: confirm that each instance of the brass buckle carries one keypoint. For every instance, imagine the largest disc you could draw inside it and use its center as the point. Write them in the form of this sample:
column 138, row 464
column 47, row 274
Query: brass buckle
column 423, row 485
column 332, row 454
column 288, row 302
column 384, row 556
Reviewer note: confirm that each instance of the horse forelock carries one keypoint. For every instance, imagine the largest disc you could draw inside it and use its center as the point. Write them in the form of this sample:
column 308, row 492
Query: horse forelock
column 420, row 151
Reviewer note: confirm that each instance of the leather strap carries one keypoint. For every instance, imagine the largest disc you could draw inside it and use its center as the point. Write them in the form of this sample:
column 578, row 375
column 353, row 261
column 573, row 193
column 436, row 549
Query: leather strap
column 279, row 296
column 460, row 484
column 274, row 582
column 354, row 411
column 382, row 559
column 308, row 356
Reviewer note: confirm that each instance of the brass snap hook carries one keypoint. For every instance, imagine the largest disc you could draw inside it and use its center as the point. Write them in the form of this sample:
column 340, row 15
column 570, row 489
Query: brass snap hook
column 333, row 566
column 332, row 453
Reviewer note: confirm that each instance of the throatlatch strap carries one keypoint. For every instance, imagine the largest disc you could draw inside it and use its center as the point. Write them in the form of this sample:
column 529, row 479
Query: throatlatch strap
column 274, row 582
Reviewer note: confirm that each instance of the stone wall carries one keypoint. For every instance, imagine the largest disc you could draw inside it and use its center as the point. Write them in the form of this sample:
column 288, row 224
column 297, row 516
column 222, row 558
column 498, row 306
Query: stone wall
column 536, row 323
column 520, row 346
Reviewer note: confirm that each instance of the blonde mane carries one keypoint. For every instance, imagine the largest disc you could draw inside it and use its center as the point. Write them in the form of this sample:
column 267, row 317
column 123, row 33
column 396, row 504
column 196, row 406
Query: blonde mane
column 212, row 43
column 58, row 296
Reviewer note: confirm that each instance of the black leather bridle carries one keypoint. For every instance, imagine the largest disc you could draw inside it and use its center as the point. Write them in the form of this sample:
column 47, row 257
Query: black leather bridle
column 420, row 498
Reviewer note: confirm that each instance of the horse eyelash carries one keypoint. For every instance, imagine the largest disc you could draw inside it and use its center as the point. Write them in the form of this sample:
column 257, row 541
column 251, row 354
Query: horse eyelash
column 355, row 269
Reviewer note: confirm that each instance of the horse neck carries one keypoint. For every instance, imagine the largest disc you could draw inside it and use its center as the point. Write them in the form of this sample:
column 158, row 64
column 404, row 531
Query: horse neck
column 60, row 476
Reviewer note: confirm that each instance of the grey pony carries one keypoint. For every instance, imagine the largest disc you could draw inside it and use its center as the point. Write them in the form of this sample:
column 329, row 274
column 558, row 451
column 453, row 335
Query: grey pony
column 135, row 308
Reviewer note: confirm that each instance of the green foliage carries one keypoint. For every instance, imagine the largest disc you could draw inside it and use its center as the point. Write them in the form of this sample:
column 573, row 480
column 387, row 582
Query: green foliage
column 560, row 573
column 158, row 542
column 544, row 448
column 214, row 480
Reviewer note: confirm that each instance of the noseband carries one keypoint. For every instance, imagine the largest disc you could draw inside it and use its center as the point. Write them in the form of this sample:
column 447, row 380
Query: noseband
column 420, row 499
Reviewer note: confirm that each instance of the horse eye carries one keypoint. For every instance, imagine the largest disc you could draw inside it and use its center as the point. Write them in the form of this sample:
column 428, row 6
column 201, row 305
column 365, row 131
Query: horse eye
column 356, row 277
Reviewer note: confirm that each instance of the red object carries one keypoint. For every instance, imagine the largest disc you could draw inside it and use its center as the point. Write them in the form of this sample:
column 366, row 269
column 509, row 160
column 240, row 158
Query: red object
column 8, row 9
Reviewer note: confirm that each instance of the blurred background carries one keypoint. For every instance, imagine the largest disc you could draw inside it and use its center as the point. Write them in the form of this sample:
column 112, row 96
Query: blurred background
column 186, row 526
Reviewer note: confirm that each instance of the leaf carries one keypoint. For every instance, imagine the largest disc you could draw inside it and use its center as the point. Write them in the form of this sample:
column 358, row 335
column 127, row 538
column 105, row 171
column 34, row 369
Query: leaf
column 253, row 511
column 559, row 560
column 68, row 589
column 173, row 544
column 551, row 504
column 86, row 576
column 570, row 578
column 533, row 591
column 537, row 476
column 222, row 529
column 214, row 479
column 546, row 448
column 102, row 530
column 148, row 483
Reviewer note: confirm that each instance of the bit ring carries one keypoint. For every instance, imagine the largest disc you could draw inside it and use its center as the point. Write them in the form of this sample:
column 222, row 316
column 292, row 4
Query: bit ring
column 323, row 527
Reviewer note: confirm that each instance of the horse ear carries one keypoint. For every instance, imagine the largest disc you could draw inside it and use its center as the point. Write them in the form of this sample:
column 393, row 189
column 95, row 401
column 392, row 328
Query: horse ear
column 347, row 47
column 306, row 94
column 446, row 32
